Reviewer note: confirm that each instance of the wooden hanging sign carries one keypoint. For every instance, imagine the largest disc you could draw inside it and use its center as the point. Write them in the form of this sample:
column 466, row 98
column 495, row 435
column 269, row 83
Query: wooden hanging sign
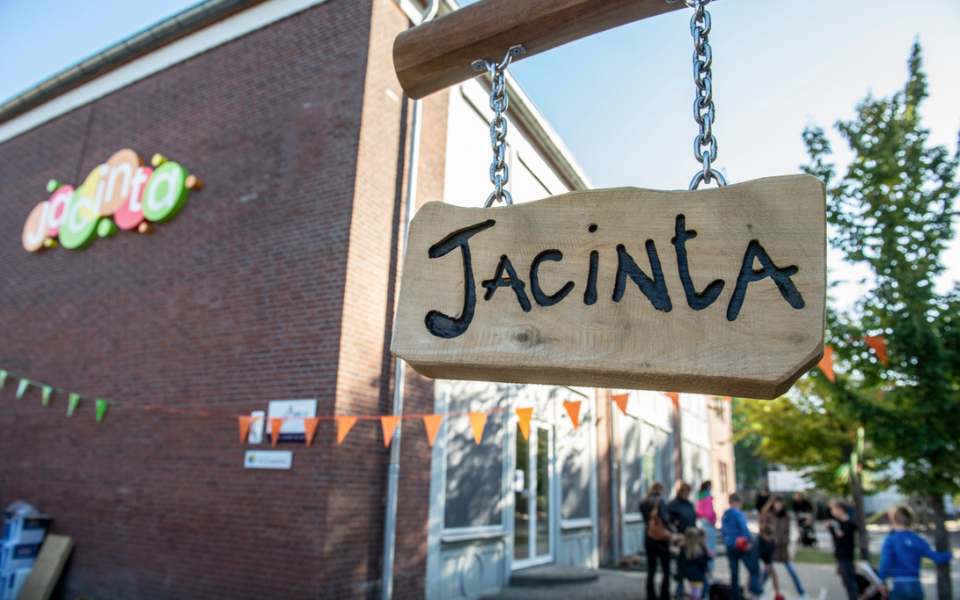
column 719, row 291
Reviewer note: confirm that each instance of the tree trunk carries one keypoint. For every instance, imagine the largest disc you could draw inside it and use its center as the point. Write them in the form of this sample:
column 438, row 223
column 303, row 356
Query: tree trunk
column 942, row 538
column 856, row 490
column 856, row 487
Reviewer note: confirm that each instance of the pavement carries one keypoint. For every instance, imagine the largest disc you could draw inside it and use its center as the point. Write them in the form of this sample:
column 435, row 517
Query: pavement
column 821, row 583
column 820, row 580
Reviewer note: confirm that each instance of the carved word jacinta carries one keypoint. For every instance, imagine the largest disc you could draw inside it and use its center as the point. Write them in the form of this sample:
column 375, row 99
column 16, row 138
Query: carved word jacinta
column 654, row 288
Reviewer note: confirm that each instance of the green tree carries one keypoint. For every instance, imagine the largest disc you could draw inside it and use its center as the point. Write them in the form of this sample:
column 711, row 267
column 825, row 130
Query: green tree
column 751, row 466
column 816, row 428
column 893, row 210
column 805, row 432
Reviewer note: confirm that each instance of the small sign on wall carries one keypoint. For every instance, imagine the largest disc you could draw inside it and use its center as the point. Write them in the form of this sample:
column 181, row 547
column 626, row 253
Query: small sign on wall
column 292, row 412
column 268, row 459
column 121, row 193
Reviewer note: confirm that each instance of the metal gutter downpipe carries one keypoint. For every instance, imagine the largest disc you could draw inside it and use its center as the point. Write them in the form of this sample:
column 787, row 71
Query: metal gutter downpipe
column 393, row 471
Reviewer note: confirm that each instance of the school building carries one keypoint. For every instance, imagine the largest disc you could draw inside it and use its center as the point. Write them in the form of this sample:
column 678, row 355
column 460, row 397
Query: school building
column 274, row 278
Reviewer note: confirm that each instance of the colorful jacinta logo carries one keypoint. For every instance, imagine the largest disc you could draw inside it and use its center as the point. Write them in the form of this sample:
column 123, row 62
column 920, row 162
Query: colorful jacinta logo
column 121, row 193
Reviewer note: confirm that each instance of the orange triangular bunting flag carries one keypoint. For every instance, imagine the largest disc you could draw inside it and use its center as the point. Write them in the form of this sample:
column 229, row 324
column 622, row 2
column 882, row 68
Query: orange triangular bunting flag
column 244, row 428
column 432, row 423
column 573, row 409
column 524, row 415
column 728, row 399
column 310, row 428
column 879, row 345
column 826, row 364
column 275, row 425
column 675, row 398
column 478, row 421
column 621, row 400
column 389, row 426
column 344, row 424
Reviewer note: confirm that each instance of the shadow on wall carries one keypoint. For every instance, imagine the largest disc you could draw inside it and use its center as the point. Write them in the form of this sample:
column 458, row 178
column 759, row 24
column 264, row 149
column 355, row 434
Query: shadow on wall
column 474, row 472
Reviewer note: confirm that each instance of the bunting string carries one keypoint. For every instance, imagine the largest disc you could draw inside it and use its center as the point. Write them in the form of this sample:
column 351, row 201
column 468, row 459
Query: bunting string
column 389, row 423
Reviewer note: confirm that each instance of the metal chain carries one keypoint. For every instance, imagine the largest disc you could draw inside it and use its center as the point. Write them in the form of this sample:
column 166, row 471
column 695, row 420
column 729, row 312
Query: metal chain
column 499, row 102
column 705, row 144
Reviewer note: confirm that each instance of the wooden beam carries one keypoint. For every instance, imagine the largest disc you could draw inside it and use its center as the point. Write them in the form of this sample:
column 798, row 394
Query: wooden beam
column 438, row 54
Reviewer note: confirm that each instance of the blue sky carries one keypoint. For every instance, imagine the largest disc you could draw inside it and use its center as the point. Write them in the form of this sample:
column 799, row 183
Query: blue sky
column 622, row 100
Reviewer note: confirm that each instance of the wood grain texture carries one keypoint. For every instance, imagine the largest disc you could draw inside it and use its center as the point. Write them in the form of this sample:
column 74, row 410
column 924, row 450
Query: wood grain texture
column 438, row 54
column 46, row 570
column 748, row 321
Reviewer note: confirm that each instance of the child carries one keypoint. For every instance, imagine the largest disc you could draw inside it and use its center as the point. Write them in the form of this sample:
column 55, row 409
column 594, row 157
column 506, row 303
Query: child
column 707, row 516
column 901, row 554
column 843, row 531
column 775, row 513
column 694, row 560
column 765, row 548
column 734, row 526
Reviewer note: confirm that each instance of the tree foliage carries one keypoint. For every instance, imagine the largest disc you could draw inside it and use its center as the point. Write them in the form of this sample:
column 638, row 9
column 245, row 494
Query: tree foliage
column 808, row 431
column 893, row 210
column 752, row 465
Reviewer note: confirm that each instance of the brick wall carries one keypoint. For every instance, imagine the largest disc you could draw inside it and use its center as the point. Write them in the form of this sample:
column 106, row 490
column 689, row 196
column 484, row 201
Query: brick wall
column 276, row 281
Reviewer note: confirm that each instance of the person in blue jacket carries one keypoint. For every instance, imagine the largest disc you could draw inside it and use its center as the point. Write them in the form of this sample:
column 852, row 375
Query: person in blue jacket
column 901, row 554
column 736, row 537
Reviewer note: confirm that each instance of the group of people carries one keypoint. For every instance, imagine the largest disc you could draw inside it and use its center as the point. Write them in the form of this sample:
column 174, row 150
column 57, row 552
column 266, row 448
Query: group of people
column 675, row 524
column 672, row 531
column 665, row 521
column 900, row 558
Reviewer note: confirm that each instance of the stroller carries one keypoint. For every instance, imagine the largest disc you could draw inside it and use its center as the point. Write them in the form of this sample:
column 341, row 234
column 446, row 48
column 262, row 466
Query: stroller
column 808, row 536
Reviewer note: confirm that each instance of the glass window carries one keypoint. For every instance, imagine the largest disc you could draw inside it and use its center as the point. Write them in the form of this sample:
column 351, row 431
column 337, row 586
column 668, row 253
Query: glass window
column 665, row 458
column 631, row 467
column 576, row 474
column 649, row 455
column 474, row 473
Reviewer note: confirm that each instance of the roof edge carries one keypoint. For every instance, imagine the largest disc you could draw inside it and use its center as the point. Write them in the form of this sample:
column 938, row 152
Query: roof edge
column 209, row 12
column 135, row 46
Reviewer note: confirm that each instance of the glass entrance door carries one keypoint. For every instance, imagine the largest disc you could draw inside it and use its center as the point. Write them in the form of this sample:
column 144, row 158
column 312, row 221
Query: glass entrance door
column 532, row 484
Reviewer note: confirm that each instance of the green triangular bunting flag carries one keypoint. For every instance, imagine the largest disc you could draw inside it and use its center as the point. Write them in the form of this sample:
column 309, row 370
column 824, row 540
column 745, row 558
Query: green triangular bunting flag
column 101, row 409
column 22, row 387
column 3, row 377
column 47, row 390
column 72, row 404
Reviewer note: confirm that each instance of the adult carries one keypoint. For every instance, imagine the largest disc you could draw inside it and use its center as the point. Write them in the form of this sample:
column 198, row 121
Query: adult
column 844, row 533
column 653, row 509
column 708, row 518
column 803, row 509
column 680, row 511
column 775, row 514
column 763, row 498
column 801, row 505
column 681, row 515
